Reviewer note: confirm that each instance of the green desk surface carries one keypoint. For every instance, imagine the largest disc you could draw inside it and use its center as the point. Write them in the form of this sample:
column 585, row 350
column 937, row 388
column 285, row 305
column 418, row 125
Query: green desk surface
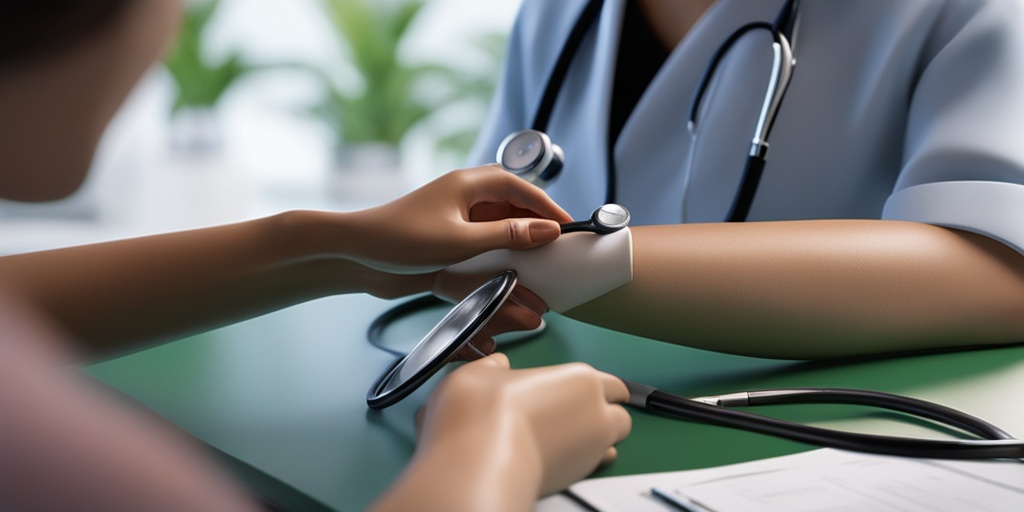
column 281, row 397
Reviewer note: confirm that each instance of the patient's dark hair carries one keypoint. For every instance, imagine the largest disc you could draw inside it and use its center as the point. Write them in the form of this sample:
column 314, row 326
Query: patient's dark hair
column 33, row 28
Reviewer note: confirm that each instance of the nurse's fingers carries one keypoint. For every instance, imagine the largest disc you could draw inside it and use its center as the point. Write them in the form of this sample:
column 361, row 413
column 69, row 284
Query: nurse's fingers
column 477, row 348
column 525, row 297
column 511, row 317
column 609, row 456
column 495, row 360
column 615, row 391
column 497, row 185
column 484, row 212
column 622, row 422
column 499, row 360
column 516, row 233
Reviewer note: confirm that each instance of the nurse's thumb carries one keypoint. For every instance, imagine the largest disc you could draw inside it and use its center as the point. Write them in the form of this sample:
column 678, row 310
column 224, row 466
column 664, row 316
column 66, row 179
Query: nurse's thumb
column 523, row 233
column 496, row 360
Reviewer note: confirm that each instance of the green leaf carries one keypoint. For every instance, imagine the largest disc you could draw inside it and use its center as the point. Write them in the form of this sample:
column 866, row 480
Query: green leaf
column 200, row 84
column 396, row 95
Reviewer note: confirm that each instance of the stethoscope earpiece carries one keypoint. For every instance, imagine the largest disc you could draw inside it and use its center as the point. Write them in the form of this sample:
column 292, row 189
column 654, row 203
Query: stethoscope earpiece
column 606, row 219
column 531, row 155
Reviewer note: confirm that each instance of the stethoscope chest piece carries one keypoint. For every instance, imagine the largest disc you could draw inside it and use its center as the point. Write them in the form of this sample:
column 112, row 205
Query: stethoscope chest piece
column 608, row 218
column 531, row 155
column 612, row 216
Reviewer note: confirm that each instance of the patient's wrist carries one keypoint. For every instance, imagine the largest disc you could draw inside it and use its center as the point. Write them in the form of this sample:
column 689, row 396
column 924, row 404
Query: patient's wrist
column 571, row 271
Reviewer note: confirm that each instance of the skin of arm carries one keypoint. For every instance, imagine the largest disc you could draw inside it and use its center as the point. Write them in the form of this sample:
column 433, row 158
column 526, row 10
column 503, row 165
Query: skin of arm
column 60, row 431
column 68, row 444
column 491, row 438
column 165, row 286
column 812, row 289
column 817, row 289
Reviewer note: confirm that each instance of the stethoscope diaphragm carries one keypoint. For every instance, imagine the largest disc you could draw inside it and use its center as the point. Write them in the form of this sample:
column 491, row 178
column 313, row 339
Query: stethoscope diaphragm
column 531, row 155
column 606, row 219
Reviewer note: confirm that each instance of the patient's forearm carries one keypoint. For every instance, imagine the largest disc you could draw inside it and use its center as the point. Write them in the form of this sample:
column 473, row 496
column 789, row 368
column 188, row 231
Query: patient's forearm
column 815, row 289
column 114, row 296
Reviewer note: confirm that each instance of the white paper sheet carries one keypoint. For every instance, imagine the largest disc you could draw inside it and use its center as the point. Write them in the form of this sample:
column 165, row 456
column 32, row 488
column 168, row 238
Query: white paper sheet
column 821, row 480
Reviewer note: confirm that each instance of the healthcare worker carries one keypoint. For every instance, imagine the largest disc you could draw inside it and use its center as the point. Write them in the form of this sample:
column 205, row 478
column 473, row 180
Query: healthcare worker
column 490, row 439
column 889, row 216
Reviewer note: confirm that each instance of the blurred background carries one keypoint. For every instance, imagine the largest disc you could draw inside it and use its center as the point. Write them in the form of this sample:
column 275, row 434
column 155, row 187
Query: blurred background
column 267, row 105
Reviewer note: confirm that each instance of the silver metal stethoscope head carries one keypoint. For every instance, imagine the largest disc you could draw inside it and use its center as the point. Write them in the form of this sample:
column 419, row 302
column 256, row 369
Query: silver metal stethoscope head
column 607, row 219
column 531, row 155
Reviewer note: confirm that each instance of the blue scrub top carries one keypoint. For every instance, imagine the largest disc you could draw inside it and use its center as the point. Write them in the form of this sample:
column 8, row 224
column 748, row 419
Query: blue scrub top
column 898, row 109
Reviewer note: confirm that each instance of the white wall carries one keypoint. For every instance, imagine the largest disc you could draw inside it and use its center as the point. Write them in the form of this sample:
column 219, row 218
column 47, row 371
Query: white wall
column 274, row 157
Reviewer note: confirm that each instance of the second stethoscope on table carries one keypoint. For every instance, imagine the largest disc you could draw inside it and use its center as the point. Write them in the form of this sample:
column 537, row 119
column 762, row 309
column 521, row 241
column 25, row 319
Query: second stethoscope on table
column 455, row 331
column 532, row 155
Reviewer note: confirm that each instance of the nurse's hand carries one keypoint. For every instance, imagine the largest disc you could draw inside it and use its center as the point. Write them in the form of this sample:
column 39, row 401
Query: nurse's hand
column 492, row 438
column 453, row 218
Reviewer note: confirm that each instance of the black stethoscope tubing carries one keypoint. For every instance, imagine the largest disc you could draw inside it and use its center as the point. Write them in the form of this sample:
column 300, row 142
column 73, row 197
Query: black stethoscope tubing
column 556, row 79
column 994, row 443
column 375, row 332
column 782, row 31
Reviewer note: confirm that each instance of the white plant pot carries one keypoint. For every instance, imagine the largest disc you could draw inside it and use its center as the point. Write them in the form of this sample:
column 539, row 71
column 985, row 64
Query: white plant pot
column 366, row 174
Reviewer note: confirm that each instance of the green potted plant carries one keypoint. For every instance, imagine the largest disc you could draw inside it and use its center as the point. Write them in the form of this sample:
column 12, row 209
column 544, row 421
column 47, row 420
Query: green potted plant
column 474, row 91
column 200, row 83
column 395, row 95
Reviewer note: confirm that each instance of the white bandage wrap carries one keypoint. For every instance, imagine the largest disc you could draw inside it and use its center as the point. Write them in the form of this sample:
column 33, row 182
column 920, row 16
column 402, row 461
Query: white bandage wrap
column 566, row 273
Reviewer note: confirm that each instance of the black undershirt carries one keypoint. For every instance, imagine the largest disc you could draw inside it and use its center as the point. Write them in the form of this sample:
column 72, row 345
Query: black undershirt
column 640, row 57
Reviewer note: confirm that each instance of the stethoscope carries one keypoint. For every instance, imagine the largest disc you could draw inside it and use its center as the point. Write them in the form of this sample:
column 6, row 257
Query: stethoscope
column 464, row 321
column 992, row 442
column 454, row 332
column 532, row 155
column 606, row 219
